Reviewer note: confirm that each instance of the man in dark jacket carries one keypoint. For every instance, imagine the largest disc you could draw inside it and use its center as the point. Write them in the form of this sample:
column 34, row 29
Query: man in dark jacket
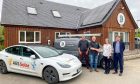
column 119, row 48
column 83, row 48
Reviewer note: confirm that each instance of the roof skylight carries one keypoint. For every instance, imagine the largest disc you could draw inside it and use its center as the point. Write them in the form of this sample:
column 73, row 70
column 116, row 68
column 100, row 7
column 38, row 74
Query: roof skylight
column 32, row 10
column 56, row 13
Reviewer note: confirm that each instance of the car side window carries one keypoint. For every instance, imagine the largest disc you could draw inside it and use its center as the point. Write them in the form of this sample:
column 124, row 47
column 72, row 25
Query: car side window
column 14, row 50
column 26, row 52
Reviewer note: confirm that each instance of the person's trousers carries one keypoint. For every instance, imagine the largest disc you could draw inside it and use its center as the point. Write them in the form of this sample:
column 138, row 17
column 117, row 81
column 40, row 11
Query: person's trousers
column 85, row 56
column 118, row 58
column 93, row 60
column 107, row 64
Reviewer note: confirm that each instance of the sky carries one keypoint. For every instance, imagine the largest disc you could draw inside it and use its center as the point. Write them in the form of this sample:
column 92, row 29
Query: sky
column 134, row 5
column 0, row 8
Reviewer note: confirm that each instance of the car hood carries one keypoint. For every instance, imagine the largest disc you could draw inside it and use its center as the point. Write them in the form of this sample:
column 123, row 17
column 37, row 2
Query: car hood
column 66, row 58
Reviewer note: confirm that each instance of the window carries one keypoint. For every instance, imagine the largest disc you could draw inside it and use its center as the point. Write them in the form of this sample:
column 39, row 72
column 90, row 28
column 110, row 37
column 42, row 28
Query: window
column 13, row 50
column 37, row 36
column 56, row 13
column 29, row 37
column 32, row 10
column 26, row 52
column 61, row 33
column 22, row 36
column 47, row 52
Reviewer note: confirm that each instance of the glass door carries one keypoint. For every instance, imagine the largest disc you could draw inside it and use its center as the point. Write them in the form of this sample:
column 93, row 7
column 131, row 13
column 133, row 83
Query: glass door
column 124, row 37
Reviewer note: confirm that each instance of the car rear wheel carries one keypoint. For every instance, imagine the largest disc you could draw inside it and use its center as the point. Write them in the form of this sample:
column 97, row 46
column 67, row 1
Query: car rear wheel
column 3, row 67
column 51, row 75
column 102, row 63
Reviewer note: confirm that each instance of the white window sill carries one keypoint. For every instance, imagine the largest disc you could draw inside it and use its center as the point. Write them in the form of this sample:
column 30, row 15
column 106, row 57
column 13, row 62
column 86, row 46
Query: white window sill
column 29, row 42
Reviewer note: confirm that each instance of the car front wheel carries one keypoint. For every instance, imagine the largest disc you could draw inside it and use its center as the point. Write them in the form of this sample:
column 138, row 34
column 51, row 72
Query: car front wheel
column 3, row 68
column 50, row 74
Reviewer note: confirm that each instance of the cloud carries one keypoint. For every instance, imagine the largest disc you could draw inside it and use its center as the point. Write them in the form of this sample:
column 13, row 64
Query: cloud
column 0, row 9
column 83, row 3
column 134, row 8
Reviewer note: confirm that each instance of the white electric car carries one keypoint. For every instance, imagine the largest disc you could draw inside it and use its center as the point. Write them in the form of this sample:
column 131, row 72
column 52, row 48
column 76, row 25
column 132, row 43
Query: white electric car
column 41, row 61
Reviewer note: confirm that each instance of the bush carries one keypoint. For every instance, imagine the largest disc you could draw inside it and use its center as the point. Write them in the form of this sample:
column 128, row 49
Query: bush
column 1, row 38
column 137, row 35
column 1, row 47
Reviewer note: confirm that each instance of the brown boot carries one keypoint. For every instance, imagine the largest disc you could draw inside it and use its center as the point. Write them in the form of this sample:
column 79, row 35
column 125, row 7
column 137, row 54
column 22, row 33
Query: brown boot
column 96, row 70
column 90, row 69
column 115, row 72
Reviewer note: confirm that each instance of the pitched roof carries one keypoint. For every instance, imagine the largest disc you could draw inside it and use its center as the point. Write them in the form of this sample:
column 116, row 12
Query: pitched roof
column 14, row 12
column 98, row 15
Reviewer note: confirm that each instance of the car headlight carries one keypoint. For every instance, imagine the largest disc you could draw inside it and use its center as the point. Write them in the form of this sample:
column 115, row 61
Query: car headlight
column 64, row 65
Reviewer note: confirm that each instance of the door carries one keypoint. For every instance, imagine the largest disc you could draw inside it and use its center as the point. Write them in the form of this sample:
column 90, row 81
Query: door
column 124, row 37
column 28, row 65
column 13, row 58
column 18, row 60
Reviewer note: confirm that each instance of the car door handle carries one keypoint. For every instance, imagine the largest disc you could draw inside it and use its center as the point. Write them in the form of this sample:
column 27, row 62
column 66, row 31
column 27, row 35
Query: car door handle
column 6, row 56
column 21, row 58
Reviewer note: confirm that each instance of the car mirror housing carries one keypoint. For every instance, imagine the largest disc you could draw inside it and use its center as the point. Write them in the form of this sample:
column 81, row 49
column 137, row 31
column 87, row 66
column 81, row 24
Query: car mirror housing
column 32, row 56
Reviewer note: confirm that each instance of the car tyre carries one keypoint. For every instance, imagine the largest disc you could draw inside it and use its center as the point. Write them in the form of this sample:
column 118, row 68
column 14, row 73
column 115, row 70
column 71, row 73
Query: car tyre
column 112, row 64
column 3, row 67
column 50, row 74
column 102, row 63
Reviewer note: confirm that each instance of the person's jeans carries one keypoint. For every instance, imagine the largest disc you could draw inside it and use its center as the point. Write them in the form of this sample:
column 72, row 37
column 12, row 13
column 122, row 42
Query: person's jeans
column 93, row 60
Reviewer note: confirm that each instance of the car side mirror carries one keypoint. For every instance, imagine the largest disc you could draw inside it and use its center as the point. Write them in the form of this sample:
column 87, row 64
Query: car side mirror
column 32, row 56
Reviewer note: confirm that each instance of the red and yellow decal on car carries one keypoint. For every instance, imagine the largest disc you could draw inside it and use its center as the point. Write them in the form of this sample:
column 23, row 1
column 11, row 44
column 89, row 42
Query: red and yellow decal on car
column 21, row 64
column 24, row 65
column 10, row 60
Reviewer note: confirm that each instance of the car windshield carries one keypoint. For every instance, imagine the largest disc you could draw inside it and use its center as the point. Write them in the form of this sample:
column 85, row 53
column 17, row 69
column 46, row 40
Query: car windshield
column 47, row 52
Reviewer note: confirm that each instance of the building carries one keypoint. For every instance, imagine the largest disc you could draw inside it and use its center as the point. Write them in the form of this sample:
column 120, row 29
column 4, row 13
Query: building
column 38, row 21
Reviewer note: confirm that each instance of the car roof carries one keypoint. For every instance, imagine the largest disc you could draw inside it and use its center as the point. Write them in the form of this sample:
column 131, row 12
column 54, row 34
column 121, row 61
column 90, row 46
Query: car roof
column 31, row 46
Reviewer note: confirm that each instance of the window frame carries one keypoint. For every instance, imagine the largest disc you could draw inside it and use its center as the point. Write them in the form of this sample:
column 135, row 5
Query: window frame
column 66, row 33
column 25, row 39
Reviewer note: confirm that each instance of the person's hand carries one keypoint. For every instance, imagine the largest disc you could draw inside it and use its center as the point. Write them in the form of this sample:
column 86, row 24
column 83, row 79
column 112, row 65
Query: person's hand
column 98, row 50
column 92, row 48
column 87, row 53
column 80, row 52
column 108, row 57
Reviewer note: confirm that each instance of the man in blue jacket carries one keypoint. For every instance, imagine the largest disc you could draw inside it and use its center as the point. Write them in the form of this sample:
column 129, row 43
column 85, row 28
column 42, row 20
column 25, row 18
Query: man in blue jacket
column 119, row 48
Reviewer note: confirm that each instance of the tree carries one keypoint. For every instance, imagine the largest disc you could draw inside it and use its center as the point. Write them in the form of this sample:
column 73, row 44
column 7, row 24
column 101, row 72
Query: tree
column 138, row 33
column 1, row 34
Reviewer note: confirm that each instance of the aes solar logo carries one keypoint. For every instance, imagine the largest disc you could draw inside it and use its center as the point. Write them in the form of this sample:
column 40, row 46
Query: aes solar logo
column 121, row 19
column 62, row 44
